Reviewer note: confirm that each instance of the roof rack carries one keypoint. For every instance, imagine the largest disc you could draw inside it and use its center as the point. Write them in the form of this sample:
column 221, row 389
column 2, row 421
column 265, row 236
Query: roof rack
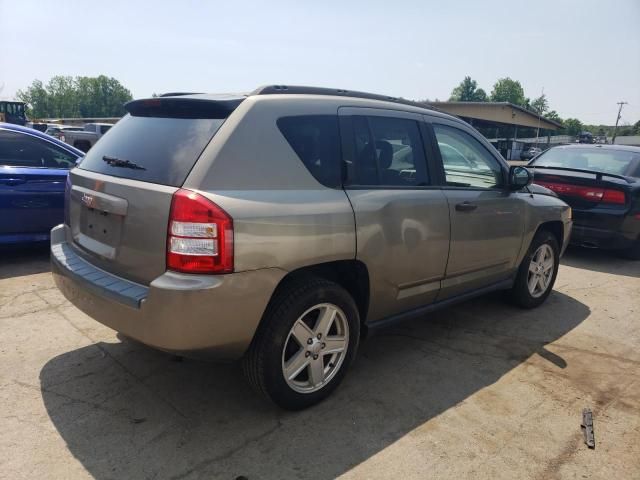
column 302, row 90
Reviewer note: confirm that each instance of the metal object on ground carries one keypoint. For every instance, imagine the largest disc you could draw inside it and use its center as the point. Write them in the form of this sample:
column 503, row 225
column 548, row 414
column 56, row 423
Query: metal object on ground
column 587, row 428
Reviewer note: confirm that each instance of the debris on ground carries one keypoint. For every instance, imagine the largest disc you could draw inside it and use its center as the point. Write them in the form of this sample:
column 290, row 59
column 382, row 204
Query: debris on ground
column 587, row 428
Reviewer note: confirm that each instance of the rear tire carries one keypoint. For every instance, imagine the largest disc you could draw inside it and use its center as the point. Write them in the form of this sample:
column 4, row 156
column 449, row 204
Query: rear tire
column 305, row 344
column 537, row 273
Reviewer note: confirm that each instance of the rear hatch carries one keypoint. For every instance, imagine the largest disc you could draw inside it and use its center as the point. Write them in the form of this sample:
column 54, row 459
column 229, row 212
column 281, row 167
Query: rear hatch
column 589, row 194
column 119, row 197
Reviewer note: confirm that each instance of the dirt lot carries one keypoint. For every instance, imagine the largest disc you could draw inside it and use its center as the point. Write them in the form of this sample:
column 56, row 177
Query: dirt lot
column 482, row 390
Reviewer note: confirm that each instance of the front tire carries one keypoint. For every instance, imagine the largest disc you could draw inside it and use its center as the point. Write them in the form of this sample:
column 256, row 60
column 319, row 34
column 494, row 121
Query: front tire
column 537, row 273
column 305, row 343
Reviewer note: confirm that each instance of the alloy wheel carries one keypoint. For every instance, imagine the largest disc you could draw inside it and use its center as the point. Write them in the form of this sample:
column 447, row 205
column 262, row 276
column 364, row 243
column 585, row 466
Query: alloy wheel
column 315, row 348
column 540, row 270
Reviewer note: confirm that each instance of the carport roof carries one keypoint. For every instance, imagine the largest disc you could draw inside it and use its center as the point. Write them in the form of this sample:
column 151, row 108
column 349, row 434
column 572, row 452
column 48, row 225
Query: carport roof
column 496, row 112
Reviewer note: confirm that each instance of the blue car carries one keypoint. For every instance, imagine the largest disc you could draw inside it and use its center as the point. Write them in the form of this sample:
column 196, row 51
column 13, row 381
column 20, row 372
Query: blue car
column 33, row 173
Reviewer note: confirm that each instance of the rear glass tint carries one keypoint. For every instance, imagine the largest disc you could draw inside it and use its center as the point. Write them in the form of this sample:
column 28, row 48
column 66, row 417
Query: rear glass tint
column 160, row 149
column 598, row 159
column 22, row 150
column 316, row 141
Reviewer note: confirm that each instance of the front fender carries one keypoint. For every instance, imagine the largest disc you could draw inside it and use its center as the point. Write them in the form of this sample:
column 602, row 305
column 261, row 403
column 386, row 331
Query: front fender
column 543, row 208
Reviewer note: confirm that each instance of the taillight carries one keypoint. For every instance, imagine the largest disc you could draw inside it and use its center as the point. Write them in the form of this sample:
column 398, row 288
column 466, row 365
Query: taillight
column 592, row 194
column 200, row 237
column 613, row 196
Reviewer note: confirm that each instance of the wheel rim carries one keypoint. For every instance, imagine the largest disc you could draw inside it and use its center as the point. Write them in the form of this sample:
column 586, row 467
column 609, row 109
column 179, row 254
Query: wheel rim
column 315, row 348
column 540, row 271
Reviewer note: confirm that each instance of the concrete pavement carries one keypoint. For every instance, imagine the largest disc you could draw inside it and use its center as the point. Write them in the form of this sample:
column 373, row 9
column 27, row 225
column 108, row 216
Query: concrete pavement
column 482, row 390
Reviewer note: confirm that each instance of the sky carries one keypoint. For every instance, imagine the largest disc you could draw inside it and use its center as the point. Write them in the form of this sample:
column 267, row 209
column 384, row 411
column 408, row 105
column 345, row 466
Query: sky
column 585, row 54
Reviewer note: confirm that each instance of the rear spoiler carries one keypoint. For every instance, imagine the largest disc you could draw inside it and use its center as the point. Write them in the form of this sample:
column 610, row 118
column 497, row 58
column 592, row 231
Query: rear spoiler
column 598, row 175
column 184, row 107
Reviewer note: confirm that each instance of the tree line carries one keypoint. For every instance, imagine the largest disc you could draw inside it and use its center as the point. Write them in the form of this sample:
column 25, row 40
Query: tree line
column 102, row 96
column 509, row 90
column 65, row 96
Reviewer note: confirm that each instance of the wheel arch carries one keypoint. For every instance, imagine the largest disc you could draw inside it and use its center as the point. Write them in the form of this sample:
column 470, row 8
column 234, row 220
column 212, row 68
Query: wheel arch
column 352, row 275
column 555, row 227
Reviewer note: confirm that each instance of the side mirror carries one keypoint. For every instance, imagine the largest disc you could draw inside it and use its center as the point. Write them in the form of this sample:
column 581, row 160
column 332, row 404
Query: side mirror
column 519, row 177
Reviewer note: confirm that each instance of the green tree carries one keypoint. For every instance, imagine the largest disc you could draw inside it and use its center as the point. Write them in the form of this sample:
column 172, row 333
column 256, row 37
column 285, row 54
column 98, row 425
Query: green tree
column 540, row 105
column 508, row 90
column 598, row 129
column 36, row 98
column 467, row 91
column 573, row 126
column 553, row 115
column 66, row 96
column 625, row 130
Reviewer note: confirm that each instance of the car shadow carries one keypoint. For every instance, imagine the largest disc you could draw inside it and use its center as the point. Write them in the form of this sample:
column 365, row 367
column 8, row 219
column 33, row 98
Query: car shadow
column 127, row 411
column 598, row 260
column 16, row 261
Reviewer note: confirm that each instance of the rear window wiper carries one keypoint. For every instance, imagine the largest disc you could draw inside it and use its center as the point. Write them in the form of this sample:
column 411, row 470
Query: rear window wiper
column 119, row 162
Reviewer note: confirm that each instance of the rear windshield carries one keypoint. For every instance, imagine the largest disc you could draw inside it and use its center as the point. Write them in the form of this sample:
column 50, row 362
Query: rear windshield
column 617, row 162
column 151, row 149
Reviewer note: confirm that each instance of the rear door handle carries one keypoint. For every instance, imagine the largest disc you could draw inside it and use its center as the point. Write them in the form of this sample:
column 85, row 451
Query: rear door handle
column 465, row 207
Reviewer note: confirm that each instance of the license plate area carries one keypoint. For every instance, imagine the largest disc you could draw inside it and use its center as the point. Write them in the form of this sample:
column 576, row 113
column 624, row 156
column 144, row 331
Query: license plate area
column 98, row 231
column 102, row 226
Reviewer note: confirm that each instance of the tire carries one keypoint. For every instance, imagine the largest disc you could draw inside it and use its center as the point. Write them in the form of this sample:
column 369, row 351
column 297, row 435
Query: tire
column 521, row 294
column 278, row 347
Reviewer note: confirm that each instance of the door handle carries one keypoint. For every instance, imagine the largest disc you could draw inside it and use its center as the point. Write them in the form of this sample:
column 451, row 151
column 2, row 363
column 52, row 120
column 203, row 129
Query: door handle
column 465, row 207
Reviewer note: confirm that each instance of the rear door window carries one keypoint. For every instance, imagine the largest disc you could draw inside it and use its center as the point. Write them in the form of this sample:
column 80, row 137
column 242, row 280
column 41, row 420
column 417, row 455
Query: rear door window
column 316, row 141
column 387, row 152
column 152, row 149
column 22, row 150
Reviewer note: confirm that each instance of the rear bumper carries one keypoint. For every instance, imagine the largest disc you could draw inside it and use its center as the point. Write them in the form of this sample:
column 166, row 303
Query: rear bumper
column 213, row 316
column 593, row 237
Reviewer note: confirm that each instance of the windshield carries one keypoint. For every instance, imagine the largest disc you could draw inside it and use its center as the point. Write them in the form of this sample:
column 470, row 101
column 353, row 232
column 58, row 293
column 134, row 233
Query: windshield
column 617, row 162
column 12, row 108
